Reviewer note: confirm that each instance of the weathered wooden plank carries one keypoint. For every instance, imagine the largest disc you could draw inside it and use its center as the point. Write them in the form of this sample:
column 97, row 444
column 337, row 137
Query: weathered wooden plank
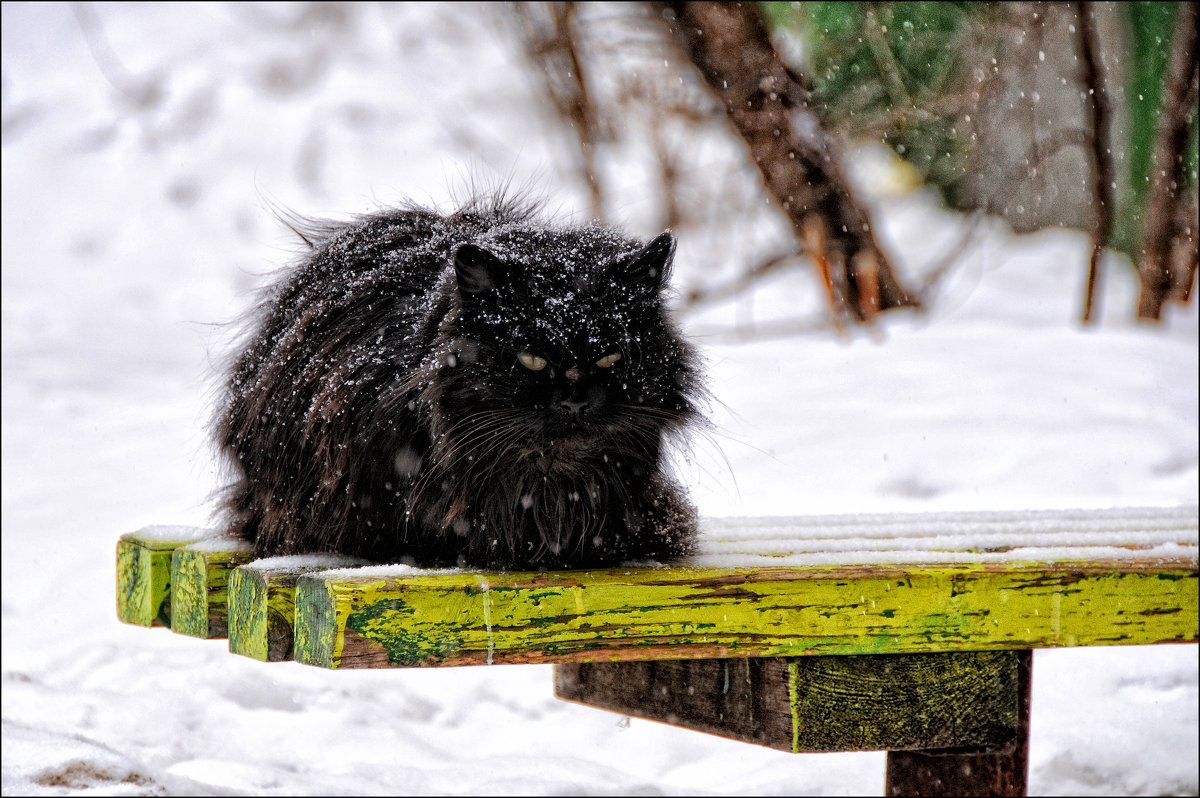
column 1001, row 771
column 378, row 618
column 743, row 699
column 811, row 704
column 261, row 612
column 199, row 578
column 144, row 572
column 262, row 603
column 904, row 701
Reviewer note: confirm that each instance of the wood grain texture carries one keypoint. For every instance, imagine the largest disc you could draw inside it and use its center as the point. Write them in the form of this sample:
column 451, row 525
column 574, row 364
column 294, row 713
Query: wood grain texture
column 905, row 701
column 456, row 618
column 743, row 699
column 261, row 613
column 812, row 704
column 199, row 582
column 1001, row 770
column 144, row 577
column 262, row 603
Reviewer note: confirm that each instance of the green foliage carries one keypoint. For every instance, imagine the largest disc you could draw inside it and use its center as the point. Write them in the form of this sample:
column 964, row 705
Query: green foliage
column 899, row 72
column 893, row 71
column 1150, row 27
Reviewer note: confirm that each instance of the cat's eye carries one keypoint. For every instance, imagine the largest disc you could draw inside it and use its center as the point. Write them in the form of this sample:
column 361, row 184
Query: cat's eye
column 532, row 362
column 608, row 361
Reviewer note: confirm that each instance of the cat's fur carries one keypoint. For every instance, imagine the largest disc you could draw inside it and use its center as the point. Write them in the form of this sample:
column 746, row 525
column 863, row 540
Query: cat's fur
column 383, row 409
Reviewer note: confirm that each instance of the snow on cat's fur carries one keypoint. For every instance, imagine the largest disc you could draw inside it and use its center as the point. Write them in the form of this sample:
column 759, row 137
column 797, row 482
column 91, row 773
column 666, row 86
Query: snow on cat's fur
column 479, row 388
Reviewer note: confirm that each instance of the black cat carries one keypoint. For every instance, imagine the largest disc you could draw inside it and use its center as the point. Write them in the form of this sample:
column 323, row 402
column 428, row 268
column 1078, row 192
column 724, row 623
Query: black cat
column 477, row 389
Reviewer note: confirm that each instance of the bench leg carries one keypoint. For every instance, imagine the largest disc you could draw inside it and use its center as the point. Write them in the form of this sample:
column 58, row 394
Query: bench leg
column 1000, row 771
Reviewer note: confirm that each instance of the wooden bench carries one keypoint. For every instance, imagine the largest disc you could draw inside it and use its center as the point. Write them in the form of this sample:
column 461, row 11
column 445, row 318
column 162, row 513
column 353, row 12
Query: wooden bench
column 910, row 634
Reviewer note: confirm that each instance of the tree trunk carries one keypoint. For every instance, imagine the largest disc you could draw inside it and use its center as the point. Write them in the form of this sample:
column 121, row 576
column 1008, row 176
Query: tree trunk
column 1104, row 170
column 1163, row 232
column 770, row 107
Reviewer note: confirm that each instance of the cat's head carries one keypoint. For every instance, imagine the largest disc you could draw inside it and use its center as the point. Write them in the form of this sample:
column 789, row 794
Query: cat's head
column 563, row 334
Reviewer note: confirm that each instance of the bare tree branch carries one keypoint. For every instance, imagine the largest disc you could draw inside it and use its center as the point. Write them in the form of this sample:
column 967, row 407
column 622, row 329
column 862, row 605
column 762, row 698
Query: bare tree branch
column 551, row 44
column 701, row 296
column 966, row 237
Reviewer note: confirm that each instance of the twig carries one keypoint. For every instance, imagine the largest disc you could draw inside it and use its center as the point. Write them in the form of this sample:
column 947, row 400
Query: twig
column 551, row 45
column 938, row 272
column 703, row 296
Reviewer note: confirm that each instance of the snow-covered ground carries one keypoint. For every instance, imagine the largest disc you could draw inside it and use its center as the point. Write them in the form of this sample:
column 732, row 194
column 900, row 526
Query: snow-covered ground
column 138, row 163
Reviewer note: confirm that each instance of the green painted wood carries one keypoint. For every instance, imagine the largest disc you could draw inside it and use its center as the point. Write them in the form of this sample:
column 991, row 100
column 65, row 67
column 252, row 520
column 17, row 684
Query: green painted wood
column 262, row 604
column 199, row 581
column 144, row 572
column 316, row 630
column 411, row 617
column 251, row 624
column 811, row 704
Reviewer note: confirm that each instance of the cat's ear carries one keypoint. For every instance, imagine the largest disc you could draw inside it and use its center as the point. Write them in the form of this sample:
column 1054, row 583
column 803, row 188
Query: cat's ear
column 650, row 265
column 477, row 270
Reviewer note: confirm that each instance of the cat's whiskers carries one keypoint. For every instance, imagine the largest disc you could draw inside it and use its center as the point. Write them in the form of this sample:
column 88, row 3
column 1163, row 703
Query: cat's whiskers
column 700, row 428
column 494, row 421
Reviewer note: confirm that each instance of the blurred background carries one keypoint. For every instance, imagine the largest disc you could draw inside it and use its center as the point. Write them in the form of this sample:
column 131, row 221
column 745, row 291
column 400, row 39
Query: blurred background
column 945, row 260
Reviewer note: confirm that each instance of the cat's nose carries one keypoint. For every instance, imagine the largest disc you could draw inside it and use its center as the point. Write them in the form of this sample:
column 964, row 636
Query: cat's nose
column 573, row 407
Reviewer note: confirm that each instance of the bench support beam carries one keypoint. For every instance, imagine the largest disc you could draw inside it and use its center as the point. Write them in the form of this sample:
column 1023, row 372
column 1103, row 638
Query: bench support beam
column 998, row 771
column 886, row 702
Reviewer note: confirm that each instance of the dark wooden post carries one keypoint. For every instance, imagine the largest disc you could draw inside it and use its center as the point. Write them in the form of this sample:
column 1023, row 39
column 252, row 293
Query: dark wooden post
column 995, row 771
column 885, row 702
